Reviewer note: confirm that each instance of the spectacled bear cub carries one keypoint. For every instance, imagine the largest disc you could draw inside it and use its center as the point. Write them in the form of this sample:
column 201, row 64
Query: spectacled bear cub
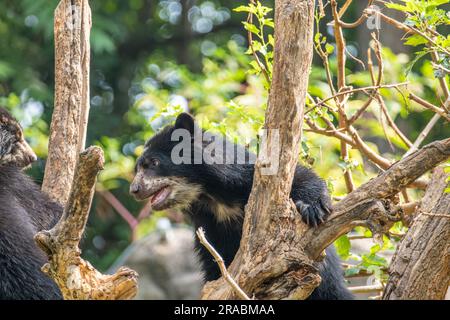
column 214, row 196
column 24, row 210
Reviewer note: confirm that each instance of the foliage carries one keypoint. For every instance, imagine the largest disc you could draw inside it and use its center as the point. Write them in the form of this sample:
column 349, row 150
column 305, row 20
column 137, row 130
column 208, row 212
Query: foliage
column 427, row 17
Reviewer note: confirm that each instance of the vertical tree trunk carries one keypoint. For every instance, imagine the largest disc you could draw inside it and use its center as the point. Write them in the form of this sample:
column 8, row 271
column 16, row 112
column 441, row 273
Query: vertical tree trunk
column 420, row 268
column 71, row 110
column 70, row 174
column 270, row 264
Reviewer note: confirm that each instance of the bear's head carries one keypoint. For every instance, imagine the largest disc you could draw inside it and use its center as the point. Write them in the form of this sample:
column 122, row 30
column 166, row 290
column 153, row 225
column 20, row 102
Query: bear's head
column 160, row 174
column 14, row 150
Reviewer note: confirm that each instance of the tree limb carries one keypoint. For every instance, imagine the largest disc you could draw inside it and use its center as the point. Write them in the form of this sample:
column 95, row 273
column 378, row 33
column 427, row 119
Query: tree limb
column 69, row 120
column 77, row 278
column 420, row 268
column 269, row 263
column 223, row 269
column 368, row 204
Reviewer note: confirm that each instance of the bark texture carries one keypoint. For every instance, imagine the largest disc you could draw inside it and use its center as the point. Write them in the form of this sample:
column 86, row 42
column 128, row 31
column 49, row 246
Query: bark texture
column 71, row 110
column 270, row 263
column 70, row 174
column 76, row 278
column 420, row 268
column 370, row 205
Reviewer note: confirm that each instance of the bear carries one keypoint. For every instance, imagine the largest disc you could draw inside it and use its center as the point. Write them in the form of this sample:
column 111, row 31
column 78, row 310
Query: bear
column 213, row 195
column 24, row 211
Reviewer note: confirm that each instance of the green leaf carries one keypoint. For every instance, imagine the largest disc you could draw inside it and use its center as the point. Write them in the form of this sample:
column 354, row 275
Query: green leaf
column 271, row 40
column 255, row 66
column 410, row 64
column 352, row 271
column 439, row 2
column 251, row 27
column 269, row 23
column 373, row 259
column 374, row 249
column 317, row 37
column 329, row 48
column 244, row 9
column 416, row 40
column 399, row 7
column 343, row 246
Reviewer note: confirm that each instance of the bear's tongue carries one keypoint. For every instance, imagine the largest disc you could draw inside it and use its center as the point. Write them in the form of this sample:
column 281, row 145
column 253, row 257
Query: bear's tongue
column 160, row 196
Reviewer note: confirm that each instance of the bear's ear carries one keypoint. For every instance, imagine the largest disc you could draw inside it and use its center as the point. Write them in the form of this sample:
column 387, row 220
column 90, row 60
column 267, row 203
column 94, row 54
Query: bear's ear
column 185, row 121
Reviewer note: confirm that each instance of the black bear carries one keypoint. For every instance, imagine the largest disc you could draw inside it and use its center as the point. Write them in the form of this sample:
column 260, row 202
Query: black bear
column 24, row 210
column 214, row 195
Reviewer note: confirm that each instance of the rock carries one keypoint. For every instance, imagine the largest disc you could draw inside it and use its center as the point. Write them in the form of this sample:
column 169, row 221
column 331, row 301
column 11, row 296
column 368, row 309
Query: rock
column 167, row 264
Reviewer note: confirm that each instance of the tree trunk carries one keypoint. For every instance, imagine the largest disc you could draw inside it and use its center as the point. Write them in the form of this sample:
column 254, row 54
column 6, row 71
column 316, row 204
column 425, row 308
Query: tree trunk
column 270, row 264
column 276, row 250
column 420, row 268
column 71, row 110
column 70, row 174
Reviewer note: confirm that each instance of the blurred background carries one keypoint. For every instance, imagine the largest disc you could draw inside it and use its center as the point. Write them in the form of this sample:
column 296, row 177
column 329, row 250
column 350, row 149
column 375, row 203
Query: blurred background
column 153, row 59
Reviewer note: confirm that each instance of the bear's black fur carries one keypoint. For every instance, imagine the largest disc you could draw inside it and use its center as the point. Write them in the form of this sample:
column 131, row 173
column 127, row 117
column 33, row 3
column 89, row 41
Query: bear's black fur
column 214, row 196
column 24, row 210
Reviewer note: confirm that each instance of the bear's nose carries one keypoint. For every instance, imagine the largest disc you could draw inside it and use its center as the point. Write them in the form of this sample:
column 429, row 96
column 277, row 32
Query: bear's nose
column 134, row 188
column 32, row 158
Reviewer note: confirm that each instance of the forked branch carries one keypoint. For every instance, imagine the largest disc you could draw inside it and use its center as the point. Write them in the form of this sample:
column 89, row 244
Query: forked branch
column 77, row 278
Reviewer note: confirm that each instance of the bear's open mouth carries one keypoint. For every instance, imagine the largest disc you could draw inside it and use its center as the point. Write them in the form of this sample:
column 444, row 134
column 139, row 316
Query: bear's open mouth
column 158, row 198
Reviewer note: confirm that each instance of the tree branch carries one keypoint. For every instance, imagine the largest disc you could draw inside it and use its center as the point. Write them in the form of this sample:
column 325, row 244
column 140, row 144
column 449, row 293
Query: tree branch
column 76, row 277
column 223, row 269
column 269, row 263
column 71, row 110
column 420, row 268
column 369, row 204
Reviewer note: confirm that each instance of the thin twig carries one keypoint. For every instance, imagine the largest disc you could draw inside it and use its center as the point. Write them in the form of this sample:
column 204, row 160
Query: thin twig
column 392, row 124
column 358, row 22
column 250, row 43
column 405, row 28
column 374, row 82
column 351, row 91
column 366, row 289
column 221, row 264
column 344, row 8
column 423, row 135
column 120, row 208
column 340, row 53
column 438, row 215
column 430, row 106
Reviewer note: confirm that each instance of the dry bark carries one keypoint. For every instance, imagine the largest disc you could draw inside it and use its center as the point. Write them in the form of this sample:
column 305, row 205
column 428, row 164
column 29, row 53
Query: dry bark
column 76, row 278
column 420, row 268
column 276, row 251
column 369, row 204
column 69, row 120
column 270, row 263
column 69, row 178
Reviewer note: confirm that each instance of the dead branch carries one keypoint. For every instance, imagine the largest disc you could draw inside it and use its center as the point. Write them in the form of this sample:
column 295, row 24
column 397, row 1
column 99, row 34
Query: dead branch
column 69, row 120
column 340, row 52
column 366, row 289
column 70, row 176
column 369, row 204
column 430, row 106
column 77, row 278
column 420, row 268
column 351, row 91
column 223, row 269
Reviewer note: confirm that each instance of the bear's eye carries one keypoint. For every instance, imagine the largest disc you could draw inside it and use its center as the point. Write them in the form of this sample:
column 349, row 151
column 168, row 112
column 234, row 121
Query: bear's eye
column 155, row 162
